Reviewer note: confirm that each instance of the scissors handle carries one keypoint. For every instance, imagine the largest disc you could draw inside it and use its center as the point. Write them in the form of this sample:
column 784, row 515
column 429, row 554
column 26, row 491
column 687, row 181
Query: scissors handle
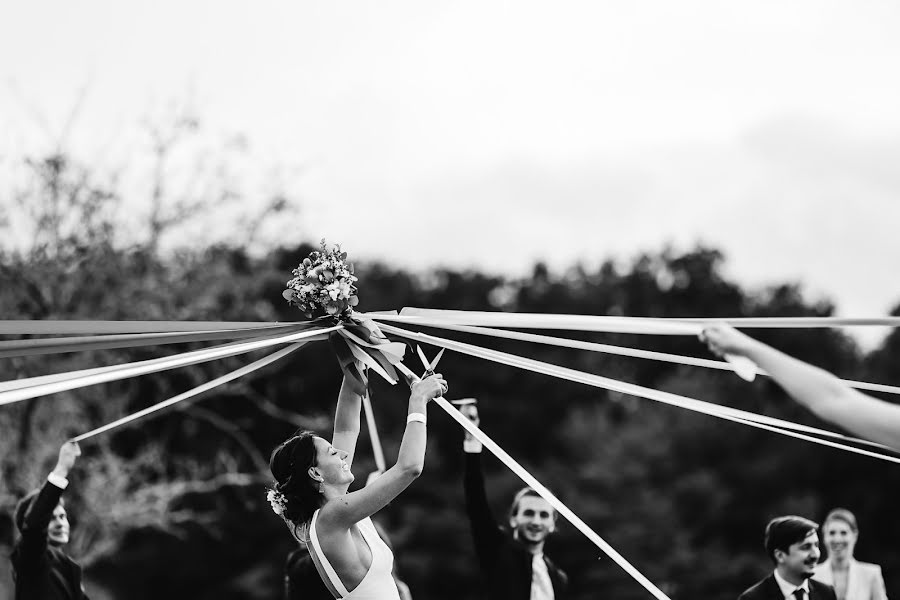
column 429, row 373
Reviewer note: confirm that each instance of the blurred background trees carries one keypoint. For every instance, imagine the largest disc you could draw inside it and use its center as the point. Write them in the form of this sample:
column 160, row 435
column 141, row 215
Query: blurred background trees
column 175, row 505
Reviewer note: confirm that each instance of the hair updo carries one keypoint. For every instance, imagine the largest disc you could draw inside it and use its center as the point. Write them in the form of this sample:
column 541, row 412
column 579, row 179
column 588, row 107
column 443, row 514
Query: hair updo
column 290, row 464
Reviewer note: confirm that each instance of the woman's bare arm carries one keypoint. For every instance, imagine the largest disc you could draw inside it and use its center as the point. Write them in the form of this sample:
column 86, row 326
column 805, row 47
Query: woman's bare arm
column 817, row 389
column 350, row 508
column 346, row 421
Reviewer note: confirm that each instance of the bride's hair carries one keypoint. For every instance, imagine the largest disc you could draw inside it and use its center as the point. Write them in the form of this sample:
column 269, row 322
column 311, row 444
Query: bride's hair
column 290, row 464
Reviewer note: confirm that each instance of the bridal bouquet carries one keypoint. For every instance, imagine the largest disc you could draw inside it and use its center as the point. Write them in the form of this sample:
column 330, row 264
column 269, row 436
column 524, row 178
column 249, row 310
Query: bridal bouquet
column 322, row 287
column 323, row 284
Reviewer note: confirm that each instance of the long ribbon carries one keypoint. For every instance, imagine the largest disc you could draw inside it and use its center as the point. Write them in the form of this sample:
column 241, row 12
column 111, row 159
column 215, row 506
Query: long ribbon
column 65, row 327
column 798, row 322
column 637, row 325
column 193, row 392
column 360, row 342
column 546, row 494
column 377, row 451
column 623, row 351
column 768, row 423
column 14, row 384
column 736, row 412
column 31, row 347
column 77, row 327
column 27, row 388
column 743, row 366
column 654, row 325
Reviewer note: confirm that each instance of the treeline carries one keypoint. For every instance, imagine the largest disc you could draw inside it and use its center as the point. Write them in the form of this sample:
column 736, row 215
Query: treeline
column 175, row 506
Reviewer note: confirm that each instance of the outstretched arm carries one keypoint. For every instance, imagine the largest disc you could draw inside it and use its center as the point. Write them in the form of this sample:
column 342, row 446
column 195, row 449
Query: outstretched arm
column 358, row 505
column 817, row 389
column 346, row 421
column 34, row 528
column 485, row 532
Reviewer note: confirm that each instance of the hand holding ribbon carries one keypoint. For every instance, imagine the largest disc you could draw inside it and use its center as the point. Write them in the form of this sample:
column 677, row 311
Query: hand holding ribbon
column 359, row 345
column 322, row 287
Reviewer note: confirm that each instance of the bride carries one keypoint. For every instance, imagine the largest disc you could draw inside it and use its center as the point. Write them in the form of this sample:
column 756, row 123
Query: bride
column 312, row 478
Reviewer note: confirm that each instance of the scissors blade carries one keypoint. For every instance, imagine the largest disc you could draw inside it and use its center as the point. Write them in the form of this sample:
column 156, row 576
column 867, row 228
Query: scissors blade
column 436, row 360
column 422, row 356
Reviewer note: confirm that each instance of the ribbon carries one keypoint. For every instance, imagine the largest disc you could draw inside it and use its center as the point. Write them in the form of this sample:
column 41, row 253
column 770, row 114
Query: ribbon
column 76, row 327
column 193, row 392
column 623, row 351
column 15, row 384
column 646, row 325
column 23, row 389
column 377, row 451
column 546, row 494
column 637, row 325
column 59, row 345
column 729, row 414
column 359, row 344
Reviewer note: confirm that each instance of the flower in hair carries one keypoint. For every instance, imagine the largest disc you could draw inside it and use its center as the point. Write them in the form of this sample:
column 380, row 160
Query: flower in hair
column 277, row 500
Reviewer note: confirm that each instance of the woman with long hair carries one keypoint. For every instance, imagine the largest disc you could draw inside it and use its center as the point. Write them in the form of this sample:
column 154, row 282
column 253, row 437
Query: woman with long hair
column 312, row 478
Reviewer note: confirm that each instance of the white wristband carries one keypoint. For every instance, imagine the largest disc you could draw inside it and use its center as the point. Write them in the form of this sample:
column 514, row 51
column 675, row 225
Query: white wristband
column 417, row 417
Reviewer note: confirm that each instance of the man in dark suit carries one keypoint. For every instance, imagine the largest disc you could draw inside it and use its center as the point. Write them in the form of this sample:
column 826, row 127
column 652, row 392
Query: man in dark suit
column 41, row 569
column 514, row 567
column 793, row 545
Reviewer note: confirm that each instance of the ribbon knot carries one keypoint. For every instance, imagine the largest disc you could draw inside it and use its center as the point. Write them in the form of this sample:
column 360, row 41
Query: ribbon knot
column 361, row 342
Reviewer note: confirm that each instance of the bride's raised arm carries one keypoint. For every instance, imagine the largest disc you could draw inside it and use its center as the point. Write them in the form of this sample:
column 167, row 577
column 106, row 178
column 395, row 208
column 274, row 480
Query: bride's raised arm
column 346, row 421
column 358, row 505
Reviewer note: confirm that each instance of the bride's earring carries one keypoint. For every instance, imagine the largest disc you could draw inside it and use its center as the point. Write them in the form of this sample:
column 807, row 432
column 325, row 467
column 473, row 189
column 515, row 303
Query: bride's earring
column 314, row 475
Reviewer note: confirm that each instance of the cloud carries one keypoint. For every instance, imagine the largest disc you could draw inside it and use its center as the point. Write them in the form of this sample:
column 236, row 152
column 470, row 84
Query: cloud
column 791, row 199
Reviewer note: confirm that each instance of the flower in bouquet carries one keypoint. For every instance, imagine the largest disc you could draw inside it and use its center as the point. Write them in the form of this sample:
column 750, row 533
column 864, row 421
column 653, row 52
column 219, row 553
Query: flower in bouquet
column 323, row 284
column 323, row 287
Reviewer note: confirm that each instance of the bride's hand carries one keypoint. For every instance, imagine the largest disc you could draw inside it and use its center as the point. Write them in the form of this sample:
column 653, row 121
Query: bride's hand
column 429, row 388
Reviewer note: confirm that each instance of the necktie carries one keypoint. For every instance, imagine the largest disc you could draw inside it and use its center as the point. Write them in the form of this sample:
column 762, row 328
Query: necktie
column 800, row 594
column 541, row 586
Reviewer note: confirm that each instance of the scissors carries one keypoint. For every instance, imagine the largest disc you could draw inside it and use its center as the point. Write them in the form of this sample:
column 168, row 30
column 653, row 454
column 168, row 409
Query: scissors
column 429, row 366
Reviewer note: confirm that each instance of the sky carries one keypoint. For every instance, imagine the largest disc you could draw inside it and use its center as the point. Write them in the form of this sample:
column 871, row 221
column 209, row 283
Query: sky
column 493, row 134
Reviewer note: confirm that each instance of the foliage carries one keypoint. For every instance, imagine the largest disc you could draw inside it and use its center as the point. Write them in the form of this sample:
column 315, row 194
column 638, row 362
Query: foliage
column 176, row 505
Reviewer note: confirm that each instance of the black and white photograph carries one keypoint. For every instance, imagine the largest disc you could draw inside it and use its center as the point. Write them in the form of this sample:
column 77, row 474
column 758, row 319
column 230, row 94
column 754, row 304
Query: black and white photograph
column 415, row 300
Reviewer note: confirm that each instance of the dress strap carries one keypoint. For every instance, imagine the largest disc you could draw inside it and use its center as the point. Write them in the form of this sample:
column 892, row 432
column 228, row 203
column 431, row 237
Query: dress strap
column 326, row 571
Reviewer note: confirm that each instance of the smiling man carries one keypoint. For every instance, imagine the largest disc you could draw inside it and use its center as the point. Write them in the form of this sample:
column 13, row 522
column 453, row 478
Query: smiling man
column 41, row 569
column 514, row 566
column 792, row 543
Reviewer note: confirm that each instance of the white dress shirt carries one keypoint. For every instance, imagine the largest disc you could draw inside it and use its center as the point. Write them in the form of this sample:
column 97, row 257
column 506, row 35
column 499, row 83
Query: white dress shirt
column 787, row 588
column 541, row 586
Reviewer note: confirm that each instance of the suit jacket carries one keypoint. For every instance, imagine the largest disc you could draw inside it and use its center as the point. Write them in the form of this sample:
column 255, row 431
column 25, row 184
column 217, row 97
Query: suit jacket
column 768, row 589
column 864, row 580
column 41, row 571
column 505, row 564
